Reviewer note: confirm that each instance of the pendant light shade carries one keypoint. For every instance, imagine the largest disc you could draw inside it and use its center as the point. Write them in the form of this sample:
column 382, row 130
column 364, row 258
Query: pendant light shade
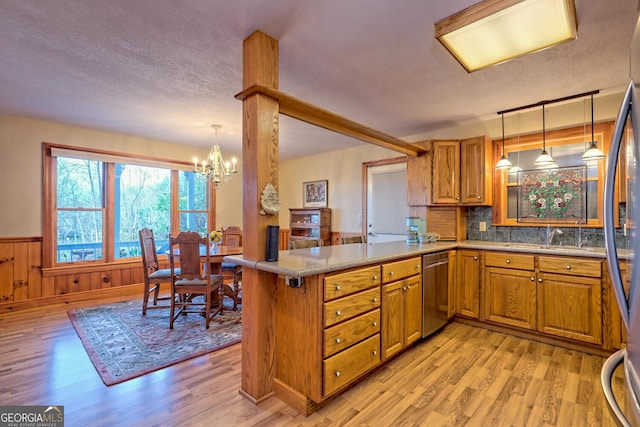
column 544, row 160
column 503, row 163
column 593, row 152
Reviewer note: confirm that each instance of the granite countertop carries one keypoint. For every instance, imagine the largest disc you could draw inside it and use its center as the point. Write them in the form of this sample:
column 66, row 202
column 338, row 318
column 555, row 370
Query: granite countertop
column 324, row 259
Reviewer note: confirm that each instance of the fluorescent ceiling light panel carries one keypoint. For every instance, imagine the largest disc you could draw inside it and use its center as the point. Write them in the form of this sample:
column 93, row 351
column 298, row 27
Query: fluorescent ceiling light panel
column 494, row 31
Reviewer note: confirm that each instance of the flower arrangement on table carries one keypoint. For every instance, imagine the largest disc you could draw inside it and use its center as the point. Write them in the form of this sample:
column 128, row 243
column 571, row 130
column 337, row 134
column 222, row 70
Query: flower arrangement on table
column 215, row 237
column 550, row 193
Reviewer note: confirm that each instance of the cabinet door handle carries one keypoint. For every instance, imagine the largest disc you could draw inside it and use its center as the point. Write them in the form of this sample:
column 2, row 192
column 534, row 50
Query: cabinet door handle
column 337, row 373
column 478, row 197
column 568, row 267
column 533, row 279
column 338, row 340
column 540, row 280
column 475, row 258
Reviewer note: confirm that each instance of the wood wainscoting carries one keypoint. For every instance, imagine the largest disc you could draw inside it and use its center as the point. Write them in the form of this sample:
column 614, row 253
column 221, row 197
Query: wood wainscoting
column 25, row 284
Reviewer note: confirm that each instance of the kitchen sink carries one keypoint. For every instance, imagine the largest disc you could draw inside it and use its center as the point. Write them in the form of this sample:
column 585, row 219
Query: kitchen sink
column 550, row 248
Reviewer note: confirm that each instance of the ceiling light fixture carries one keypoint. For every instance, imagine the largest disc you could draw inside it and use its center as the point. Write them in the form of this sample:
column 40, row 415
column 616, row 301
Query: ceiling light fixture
column 544, row 160
column 503, row 163
column 214, row 168
column 593, row 152
column 495, row 31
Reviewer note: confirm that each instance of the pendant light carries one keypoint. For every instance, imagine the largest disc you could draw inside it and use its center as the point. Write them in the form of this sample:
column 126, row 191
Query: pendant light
column 592, row 153
column 503, row 163
column 544, row 160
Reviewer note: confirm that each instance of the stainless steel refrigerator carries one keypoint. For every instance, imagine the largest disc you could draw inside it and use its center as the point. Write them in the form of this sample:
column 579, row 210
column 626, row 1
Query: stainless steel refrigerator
column 625, row 273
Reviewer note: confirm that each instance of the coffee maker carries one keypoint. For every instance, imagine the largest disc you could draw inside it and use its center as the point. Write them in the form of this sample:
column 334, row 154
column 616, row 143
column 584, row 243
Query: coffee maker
column 415, row 227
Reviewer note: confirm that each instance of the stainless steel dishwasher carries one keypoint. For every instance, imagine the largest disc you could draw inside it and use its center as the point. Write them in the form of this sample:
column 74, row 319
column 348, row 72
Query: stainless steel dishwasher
column 435, row 292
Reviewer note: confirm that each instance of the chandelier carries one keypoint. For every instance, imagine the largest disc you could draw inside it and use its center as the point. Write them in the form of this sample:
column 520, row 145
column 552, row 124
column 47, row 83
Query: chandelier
column 214, row 168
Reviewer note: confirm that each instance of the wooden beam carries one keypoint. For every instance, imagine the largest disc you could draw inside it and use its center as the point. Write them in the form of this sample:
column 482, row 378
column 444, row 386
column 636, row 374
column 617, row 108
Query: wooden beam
column 303, row 111
column 259, row 167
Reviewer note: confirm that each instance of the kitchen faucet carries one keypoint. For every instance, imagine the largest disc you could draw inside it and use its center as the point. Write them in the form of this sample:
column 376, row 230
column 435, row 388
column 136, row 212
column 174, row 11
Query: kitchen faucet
column 579, row 242
column 551, row 233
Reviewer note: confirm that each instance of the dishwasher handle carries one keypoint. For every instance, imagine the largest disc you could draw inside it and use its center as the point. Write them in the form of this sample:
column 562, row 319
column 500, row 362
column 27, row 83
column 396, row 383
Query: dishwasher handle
column 435, row 264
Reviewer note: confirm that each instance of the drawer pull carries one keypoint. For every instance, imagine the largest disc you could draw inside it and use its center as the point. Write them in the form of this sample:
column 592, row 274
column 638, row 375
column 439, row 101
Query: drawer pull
column 374, row 352
column 338, row 313
column 375, row 323
column 375, row 277
column 338, row 287
column 568, row 267
column 391, row 273
column 337, row 373
column 417, row 267
column 338, row 340
column 375, row 299
column 508, row 261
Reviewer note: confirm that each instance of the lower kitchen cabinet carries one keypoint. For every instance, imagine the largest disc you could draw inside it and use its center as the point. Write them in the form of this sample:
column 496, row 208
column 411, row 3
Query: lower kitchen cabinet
column 570, row 298
column 510, row 289
column 468, row 283
column 402, row 314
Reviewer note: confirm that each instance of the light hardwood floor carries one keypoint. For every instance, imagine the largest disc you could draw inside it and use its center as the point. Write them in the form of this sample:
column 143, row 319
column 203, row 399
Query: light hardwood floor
column 462, row 376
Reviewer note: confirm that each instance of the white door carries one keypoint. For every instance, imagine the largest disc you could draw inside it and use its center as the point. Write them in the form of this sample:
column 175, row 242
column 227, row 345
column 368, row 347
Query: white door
column 387, row 208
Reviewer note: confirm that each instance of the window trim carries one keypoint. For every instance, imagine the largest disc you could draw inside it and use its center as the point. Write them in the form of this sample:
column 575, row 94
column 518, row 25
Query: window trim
column 49, row 211
column 602, row 134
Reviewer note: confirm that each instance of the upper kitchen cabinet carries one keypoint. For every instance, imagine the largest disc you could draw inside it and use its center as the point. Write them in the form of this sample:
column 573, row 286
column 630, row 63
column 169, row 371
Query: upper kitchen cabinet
column 460, row 172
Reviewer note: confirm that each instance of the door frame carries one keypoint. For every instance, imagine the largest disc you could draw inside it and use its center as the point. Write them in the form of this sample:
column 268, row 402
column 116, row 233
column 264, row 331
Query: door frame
column 365, row 185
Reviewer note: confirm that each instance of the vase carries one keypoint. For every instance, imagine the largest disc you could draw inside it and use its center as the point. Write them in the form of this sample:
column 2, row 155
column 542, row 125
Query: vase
column 214, row 247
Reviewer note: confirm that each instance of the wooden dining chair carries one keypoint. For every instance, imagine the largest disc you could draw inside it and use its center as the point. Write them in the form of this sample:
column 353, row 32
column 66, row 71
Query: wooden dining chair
column 305, row 243
column 191, row 281
column 153, row 274
column 232, row 237
column 351, row 239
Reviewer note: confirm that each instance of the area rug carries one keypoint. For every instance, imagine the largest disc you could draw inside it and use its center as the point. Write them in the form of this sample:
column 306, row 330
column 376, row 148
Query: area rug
column 123, row 344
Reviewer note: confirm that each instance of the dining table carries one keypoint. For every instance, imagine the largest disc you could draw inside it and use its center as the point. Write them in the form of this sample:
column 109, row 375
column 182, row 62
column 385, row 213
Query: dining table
column 216, row 257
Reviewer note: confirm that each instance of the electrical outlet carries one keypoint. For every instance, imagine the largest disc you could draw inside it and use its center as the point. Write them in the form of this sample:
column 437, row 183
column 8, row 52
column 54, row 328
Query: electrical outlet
column 483, row 226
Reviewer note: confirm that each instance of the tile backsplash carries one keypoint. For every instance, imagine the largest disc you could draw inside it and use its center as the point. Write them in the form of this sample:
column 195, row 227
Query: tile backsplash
column 593, row 237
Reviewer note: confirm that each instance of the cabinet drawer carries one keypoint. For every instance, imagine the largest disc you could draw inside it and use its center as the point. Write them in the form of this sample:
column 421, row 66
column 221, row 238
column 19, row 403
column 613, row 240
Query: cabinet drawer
column 344, row 335
column 576, row 266
column 345, row 308
column 507, row 260
column 344, row 367
column 339, row 285
column 399, row 269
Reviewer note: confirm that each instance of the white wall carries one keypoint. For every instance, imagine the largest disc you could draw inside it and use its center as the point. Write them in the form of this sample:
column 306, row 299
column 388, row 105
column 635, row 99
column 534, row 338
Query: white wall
column 21, row 163
column 21, row 169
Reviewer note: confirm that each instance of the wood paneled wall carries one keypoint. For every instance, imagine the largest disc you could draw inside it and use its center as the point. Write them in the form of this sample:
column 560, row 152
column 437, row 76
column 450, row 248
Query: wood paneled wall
column 24, row 283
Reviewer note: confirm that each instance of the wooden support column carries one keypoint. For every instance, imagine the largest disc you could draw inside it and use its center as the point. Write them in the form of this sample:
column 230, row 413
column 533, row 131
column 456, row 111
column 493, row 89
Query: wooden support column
column 259, row 167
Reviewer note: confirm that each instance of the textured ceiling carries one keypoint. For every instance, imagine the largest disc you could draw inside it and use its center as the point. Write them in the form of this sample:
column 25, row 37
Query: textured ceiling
column 168, row 69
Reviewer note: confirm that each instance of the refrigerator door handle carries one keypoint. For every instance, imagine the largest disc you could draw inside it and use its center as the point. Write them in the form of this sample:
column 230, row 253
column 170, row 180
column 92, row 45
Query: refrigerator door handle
column 629, row 102
column 606, row 374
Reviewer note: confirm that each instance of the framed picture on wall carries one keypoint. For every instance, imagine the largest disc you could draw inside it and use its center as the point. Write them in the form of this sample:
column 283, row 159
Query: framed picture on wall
column 315, row 194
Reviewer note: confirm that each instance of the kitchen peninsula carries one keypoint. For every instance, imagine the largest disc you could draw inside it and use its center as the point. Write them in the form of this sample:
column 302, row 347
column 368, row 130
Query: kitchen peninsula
column 343, row 311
